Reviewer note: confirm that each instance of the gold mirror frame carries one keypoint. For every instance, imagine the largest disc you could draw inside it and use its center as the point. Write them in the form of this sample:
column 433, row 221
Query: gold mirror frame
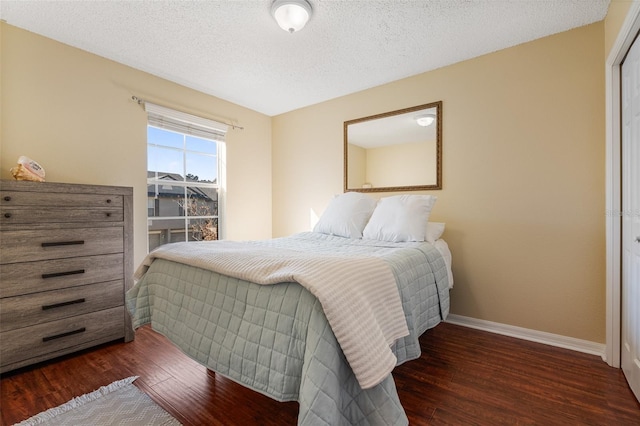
column 419, row 186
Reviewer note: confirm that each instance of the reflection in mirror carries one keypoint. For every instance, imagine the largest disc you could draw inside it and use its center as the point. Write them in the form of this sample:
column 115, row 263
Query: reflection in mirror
column 395, row 151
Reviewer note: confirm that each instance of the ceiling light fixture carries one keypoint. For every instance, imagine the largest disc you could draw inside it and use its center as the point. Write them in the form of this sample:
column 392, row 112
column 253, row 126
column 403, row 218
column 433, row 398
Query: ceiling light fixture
column 425, row 120
column 291, row 15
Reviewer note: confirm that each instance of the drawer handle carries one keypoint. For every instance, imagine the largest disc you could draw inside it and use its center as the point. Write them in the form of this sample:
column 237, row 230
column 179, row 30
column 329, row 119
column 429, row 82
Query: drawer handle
column 7, row 215
column 68, row 333
column 62, row 274
column 108, row 200
column 61, row 304
column 63, row 243
column 7, row 198
column 108, row 214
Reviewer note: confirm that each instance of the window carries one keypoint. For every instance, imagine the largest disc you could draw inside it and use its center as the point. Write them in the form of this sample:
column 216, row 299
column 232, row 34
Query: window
column 184, row 177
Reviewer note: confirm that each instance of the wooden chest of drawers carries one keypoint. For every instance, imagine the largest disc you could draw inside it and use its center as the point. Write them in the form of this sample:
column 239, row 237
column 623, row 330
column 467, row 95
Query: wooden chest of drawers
column 65, row 263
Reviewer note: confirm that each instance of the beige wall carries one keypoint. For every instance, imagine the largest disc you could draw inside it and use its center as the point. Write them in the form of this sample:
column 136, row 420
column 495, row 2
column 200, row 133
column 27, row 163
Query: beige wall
column 72, row 112
column 523, row 177
column 616, row 15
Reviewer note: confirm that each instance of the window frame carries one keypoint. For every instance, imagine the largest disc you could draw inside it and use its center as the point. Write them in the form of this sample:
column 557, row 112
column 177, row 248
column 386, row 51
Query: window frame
column 186, row 125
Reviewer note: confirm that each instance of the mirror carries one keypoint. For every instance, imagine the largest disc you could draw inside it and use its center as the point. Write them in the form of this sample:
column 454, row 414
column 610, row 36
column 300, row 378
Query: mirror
column 394, row 151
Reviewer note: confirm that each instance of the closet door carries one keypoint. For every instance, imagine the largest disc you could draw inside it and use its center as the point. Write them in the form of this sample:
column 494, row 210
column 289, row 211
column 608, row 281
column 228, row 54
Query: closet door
column 630, row 338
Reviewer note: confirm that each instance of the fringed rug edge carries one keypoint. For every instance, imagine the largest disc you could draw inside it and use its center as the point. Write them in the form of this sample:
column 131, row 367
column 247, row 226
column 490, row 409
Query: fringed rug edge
column 76, row 402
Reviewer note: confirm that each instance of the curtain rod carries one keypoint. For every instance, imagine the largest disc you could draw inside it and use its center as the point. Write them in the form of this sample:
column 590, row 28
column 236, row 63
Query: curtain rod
column 141, row 101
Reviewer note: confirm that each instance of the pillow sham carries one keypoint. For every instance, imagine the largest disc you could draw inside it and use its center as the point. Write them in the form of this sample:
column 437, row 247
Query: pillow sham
column 346, row 215
column 400, row 218
column 434, row 231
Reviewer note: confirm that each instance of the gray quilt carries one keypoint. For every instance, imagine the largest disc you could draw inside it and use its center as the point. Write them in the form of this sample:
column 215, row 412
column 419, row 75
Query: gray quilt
column 276, row 340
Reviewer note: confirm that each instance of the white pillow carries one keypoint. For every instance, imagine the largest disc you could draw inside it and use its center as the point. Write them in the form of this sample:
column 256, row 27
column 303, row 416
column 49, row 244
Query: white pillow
column 346, row 215
column 400, row 218
column 434, row 231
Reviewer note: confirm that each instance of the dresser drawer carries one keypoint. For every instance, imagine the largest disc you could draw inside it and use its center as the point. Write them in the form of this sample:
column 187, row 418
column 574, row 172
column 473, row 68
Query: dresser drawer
column 47, row 199
column 23, row 311
column 35, row 341
column 33, row 245
column 26, row 215
column 45, row 275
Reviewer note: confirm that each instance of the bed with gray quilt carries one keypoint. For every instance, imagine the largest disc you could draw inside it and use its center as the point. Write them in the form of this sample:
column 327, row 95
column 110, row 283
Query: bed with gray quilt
column 314, row 323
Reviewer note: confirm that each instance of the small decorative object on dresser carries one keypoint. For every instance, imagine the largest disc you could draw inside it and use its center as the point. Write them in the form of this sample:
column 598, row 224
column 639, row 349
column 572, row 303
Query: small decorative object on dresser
column 28, row 169
column 65, row 264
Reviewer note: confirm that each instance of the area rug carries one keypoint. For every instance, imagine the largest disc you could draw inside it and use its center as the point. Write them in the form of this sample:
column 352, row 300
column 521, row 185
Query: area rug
column 120, row 403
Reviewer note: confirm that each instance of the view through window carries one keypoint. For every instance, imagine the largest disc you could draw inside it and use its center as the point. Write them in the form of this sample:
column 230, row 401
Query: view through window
column 182, row 187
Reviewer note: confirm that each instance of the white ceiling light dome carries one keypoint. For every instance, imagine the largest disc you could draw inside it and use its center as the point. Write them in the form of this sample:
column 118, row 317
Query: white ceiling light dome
column 291, row 15
column 425, row 120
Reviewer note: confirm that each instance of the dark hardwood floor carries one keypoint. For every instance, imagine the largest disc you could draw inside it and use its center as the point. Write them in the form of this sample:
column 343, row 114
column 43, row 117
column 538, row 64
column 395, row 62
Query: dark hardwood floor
column 464, row 377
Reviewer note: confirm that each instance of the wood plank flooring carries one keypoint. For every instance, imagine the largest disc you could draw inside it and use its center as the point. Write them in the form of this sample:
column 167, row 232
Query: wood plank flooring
column 464, row 377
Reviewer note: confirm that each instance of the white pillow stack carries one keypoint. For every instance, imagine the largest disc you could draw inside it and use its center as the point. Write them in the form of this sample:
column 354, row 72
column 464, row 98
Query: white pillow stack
column 398, row 218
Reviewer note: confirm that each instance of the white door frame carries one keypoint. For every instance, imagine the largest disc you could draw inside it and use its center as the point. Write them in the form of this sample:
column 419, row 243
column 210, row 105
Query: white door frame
column 627, row 34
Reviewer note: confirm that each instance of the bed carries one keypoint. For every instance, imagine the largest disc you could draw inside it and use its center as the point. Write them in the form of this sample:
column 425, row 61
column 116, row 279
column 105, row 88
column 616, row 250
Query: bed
column 316, row 317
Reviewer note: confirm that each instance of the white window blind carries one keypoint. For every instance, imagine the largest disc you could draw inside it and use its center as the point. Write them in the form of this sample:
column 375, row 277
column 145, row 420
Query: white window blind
column 177, row 121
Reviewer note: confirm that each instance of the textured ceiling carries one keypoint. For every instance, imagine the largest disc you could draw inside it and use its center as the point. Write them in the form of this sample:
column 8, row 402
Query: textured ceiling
column 233, row 49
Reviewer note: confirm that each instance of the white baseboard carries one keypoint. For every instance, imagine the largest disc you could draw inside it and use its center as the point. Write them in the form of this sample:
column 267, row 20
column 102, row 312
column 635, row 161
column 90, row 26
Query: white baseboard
column 572, row 343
